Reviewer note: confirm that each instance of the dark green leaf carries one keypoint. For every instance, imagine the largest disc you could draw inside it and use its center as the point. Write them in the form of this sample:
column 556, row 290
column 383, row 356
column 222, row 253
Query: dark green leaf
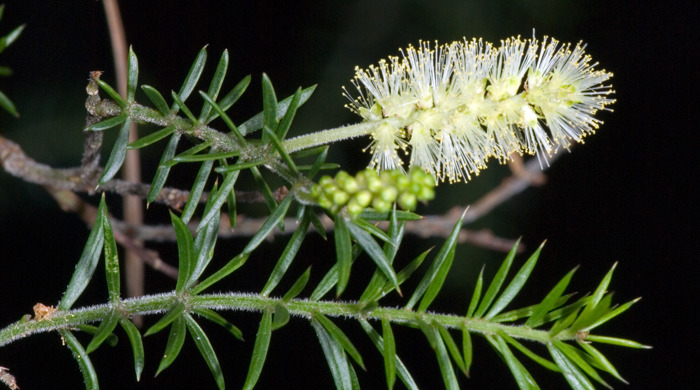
column 527, row 311
column 448, row 373
column 197, row 188
column 176, row 339
column 467, row 350
column 521, row 375
column 563, row 323
column 174, row 312
column 103, row 331
column 527, row 352
column 112, row 340
column 185, row 251
column 132, row 76
column 616, row 341
column 341, row 338
column 113, row 94
column 579, row 359
column 189, row 156
column 204, row 243
column 80, row 356
column 151, row 138
column 375, row 252
column 374, row 292
column 181, row 104
column 264, row 189
column 88, row 260
column 220, row 112
column 515, row 285
column 111, row 263
column 597, row 295
column 277, row 215
column 280, row 317
column 600, row 360
column 193, row 76
column 298, row 286
column 218, row 199
column 577, row 380
column 226, row 270
column 12, row 36
column 256, row 123
column 277, row 144
column 157, row 99
column 216, row 318
column 241, row 166
column 389, row 351
column 163, row 171
column 318, row 163
column 204, row 346
column 497, row 282
column 612, row 314
column 373, row 215
column 290, row 251
column 286, row 121
column 343, row 251
column 435, row 275
column 401, row 369
column 269, row 107
column 452, row 348
column 586, row 318
column 262, row 343
column 476, row 295
column 215, row 85
column 549, row 301
column 337, row 361
column 136, row 345
column 7, row 105
column 116, row 158
column 108, row 123
column 231, row 98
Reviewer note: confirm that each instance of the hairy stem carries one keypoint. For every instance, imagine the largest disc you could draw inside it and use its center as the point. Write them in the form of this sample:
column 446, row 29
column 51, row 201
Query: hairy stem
column 154, row 304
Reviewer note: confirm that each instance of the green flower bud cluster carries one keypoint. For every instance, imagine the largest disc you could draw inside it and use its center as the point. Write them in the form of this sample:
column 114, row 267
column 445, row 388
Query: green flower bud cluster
column 371, row 189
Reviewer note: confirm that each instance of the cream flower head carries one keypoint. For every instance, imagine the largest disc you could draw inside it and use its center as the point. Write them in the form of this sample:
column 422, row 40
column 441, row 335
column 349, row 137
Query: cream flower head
column 462, row 103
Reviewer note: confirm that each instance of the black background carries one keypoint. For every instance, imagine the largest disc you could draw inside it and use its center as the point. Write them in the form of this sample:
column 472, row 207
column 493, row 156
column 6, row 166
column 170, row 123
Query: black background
column 623, row 196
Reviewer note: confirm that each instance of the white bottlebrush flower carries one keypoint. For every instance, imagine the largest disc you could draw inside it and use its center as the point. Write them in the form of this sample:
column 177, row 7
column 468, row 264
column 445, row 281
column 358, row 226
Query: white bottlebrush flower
column 460, row 104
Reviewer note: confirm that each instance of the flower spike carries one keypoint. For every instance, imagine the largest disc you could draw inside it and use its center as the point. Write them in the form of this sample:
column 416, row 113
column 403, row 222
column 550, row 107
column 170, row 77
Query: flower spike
column 460, row 104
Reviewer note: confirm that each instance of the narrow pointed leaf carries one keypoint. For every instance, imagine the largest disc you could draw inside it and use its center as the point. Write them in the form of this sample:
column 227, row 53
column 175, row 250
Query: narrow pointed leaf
column 434, row 276
column 549, row 301
column 448, row 373
column 176, row 339
column 132, row 76
column 88, row 260
column 163, row 171
column 436, row 284
column 111, row 262
column 401, row 369
column 497, row 282
column 335, row 357
column 318, row 163
column 298, row 286
column 269, row 107
column 107, row 123
column 256, row 122
column 515, row 285
column 577, row 380
column 157, row 99
column 616, row 341
column 527, row 352
column 340, row 337
column 601, row 360
column 215, row 85
column 103, row 331
column 219, row 198
column 116, row 158
column 521, row 375
column 220, row 112
column 343, row 251
column 204, row 243
column 80, row 356
column 476, row 295
column 205, row 348
column 563, row 324
column 193, row 76
column 185, row 251
column 136, row 345
column 527, row 311
column 285, row 260
column 226, row 270
column 262, row 343
column 174, row 312
column 231, row 98
column 286, row 121
column 197, row 188
column 185, row 110
column 151, row 138
column 599, row 293
column 389, row 351
column 8, row 106
column 452, row 347
column 375, row 292
column 577, row 357
column 264, row 189
column 277, row 144
column 12, row 36
column 374, row 215
column 113, row 94
column 467, row 350
column 612, row 314
column 328, row 281
column 216, row 318
column 277, row 215
column 375, row 252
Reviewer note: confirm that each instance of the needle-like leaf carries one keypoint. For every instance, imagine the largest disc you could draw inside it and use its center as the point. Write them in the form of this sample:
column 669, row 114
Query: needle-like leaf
column 86, row 367
column 262, row 343
column 205, row 348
